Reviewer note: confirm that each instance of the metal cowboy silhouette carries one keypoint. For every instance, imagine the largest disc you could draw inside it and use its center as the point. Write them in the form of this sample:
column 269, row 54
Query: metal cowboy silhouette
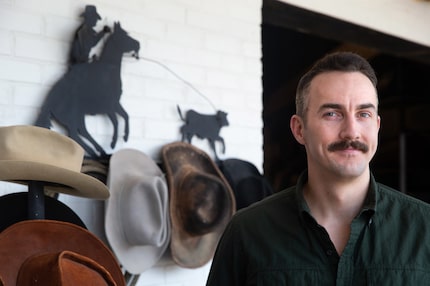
column 86, row 37
column 90, row 89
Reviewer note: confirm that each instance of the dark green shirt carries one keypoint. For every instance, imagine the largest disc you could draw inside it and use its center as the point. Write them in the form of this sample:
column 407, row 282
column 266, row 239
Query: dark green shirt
column 278, row 242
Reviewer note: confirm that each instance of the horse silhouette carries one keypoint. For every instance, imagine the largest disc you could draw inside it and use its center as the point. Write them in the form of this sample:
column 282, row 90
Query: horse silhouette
column 90, row 89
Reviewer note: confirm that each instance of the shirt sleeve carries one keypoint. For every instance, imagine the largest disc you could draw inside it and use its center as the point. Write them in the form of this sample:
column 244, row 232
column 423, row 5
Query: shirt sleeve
column 229, row 263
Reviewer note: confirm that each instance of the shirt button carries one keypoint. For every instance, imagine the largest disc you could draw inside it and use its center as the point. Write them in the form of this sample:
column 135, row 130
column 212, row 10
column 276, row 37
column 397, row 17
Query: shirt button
column 329, row 252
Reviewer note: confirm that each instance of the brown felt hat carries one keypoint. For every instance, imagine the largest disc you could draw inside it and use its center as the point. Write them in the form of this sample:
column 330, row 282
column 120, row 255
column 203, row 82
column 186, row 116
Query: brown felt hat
column 63, row 268
column 25, row 239
column 201, row 203
column 30, row 153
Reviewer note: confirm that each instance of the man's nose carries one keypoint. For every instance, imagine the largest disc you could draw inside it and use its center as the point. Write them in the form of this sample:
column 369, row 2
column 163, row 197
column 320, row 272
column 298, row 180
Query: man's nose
column 350, row 128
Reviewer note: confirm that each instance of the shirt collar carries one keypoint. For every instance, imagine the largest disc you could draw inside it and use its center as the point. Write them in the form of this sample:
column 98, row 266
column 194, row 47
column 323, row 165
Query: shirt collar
column 369, row 205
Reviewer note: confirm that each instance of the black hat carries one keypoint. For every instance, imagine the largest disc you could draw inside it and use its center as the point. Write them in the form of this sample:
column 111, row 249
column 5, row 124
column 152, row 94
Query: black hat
column 90, row 10
column 14, row 208
column 249, row 186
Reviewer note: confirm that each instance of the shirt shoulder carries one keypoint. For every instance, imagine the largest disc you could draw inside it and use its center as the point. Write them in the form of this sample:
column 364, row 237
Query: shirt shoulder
column 386, row 193
column 282, row 204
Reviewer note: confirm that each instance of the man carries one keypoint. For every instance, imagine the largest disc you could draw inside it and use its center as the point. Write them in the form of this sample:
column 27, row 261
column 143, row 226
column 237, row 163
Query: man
column 337, row 226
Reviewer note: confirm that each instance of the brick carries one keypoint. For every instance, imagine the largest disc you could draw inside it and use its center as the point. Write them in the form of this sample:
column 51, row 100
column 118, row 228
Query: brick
column 20, row 21
column 41, row 48
column 19, row 70
column 6, row 42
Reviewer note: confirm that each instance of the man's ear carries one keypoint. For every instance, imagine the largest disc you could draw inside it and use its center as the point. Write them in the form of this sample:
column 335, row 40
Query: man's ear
column 297, row 126
column 379, row 126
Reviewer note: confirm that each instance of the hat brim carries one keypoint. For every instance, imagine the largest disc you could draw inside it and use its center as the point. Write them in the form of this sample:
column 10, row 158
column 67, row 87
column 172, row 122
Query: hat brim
column 56, row 179
column 27, row 238
column 14, row 208
column 190, row 250
column 126, row 167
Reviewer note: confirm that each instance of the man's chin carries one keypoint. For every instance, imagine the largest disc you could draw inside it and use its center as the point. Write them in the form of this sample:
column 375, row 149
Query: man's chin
column 350, row 171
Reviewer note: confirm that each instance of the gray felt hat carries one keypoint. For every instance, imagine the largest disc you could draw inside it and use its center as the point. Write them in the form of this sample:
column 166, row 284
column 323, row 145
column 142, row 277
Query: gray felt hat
column 136, row 215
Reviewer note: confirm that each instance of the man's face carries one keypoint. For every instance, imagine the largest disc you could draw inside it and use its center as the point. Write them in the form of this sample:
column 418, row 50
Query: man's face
column 91, row 20
column 341, row 130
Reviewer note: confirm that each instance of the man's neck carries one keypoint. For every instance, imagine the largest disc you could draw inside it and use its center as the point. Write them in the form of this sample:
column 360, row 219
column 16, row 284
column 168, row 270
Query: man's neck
column 327, row 193
column 335, row 202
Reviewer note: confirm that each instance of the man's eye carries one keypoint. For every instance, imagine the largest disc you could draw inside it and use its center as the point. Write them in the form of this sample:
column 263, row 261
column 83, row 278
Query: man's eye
column 365, row 114
column 331, row 114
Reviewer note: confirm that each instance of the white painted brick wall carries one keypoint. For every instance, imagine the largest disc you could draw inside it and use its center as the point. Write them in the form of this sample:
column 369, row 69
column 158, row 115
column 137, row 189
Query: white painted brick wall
column 213, row 45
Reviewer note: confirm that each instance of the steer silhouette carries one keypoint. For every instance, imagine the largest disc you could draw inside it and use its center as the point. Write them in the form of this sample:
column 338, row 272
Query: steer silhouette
column 203, row 126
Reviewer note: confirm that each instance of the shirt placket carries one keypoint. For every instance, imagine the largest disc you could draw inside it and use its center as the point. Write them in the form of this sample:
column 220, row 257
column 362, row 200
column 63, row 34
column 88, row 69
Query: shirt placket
column 345, row 270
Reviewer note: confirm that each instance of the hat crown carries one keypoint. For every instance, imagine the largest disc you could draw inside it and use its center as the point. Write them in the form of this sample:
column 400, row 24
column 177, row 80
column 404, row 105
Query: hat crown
column 41, row 145
column 65, row 268
column 32, row 153
column 204, row 202
column 90, row 10
column 25, row 239
column 248, row 184
column 143, row 209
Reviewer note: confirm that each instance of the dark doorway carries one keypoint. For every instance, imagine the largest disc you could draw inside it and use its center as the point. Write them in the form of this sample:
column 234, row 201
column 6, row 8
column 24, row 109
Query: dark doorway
column 293, row 38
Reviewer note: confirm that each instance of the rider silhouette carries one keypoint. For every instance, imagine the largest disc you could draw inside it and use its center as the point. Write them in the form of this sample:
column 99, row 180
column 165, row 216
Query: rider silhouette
column 86, row 37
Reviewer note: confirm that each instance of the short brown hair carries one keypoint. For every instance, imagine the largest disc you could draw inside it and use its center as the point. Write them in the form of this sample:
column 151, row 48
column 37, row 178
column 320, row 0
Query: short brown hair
column 338, row 61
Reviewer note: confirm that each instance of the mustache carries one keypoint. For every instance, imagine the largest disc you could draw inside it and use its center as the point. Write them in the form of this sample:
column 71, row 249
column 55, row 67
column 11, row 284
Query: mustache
column 345, row 144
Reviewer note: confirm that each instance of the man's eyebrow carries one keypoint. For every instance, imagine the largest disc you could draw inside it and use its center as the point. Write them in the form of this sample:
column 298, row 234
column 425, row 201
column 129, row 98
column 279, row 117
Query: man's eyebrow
column 330, row 106
column 367, row 106
column 339, row 106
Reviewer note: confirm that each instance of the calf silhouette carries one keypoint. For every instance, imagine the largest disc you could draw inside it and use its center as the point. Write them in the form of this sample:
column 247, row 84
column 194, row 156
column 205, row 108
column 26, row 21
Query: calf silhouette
column 204, row 127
